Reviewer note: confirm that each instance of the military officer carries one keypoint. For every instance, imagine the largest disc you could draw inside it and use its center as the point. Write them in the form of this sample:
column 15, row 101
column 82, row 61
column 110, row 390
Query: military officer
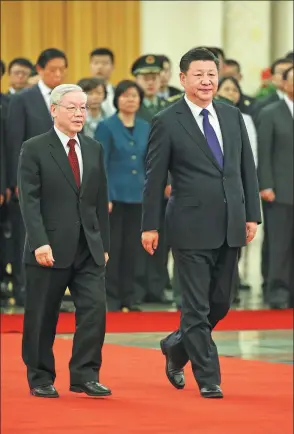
column 146, row 70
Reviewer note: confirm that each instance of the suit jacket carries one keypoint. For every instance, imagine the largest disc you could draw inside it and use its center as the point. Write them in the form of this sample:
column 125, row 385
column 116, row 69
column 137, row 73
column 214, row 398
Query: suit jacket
column 245, row 104
column 4, row 101
column 124, row 154
column 208, row 205
column 52, row 206
column 28, row 116
column 259, row 104
column 275, row 151
column 147, row 113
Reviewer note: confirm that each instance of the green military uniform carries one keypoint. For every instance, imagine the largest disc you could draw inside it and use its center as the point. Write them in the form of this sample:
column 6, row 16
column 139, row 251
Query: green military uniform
column 150, row 108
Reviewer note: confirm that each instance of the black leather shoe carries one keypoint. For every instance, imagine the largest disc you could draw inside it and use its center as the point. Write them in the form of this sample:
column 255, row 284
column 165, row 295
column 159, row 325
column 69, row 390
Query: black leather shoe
column 45, row 391
column 212, row 391
column 91, row 388
column 174, row 374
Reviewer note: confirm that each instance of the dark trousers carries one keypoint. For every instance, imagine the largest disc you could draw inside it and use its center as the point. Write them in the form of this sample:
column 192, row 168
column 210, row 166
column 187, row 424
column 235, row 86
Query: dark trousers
column 18, row 239
column 281, row 253
column 266, row 206
column 152, row 274
column 207, row 280
column 126, row 252
column 45, row 289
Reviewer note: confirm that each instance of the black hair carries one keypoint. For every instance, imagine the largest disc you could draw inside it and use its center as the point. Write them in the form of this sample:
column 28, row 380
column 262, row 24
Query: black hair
column 232, row 62
column 88, row 84
column 122, row 87
column 290, row 56
column 196, row 54
column 216, row 51
column 233, row 79
column 49, row 54
column 286, row 73
column 3, row 69
column 102, row 52
column 279, row 62
column 20, row 61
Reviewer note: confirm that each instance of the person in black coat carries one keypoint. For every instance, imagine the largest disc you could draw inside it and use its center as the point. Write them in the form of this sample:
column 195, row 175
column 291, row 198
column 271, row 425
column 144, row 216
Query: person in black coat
column 64, row 203
column 213, row 210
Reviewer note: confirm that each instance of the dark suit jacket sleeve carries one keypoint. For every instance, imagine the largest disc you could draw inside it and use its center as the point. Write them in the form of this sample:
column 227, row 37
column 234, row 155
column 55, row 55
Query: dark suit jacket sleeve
column 102, row 205
column 265, row 136
column 29, row 184
column 249, row 177
column 16, row 131
column 157, row 165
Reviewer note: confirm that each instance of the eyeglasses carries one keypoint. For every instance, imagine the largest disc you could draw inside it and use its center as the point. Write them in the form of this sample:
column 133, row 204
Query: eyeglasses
column 73, row 110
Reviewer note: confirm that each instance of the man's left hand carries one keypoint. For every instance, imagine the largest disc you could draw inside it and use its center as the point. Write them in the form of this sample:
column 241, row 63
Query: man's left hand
column 106, row 257
column 251, row 229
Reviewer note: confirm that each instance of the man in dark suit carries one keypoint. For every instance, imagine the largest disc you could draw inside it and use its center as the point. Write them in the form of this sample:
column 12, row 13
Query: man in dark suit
column 232, row 68
column 29, row 116
column 4, row 191
column 277, row 69
column 275, row 170
column 166, row 91
column 64, row 204
column 19, row 71
column 213, row 211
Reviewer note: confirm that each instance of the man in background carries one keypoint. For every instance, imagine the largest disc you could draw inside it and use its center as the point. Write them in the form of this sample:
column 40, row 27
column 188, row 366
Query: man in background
column 29, row 116
column 232, row 68
column 102, row 66
column 166, row 91
column 275, row 170
column 19, row 71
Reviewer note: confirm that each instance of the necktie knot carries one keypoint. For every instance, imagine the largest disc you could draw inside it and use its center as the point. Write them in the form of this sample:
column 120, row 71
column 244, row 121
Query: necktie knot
column 71, row 144
column 204, row 113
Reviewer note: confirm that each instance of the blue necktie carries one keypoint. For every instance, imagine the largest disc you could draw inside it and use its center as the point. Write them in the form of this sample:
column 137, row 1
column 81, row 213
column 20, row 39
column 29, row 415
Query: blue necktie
column 212, row 139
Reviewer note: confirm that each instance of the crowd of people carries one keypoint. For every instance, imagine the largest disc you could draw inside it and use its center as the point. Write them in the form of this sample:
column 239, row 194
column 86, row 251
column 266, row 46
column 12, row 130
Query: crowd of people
column 119, row 117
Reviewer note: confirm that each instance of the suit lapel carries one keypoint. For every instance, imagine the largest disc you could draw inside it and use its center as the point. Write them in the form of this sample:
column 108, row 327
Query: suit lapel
column 223, row 122
column 87, row 160
column 58, row 153
column 188, row 122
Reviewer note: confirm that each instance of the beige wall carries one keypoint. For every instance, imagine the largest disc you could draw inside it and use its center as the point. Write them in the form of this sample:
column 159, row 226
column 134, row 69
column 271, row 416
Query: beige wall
column 252, row 32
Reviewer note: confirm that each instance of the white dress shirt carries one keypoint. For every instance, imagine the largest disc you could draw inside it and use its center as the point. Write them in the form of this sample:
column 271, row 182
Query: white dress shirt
column 280, row 93
column 212, row 116
column 45, row 91
column 64, row 140
column 107, row 105
column 289, row 104
column 252, row 134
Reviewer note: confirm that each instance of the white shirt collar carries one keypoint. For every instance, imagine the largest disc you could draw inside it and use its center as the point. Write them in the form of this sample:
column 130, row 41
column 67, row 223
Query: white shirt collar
column 280, row 93
column 196, row 110
column 12, row 90
column 45, row 90
column 290, row 104
column 64, row 138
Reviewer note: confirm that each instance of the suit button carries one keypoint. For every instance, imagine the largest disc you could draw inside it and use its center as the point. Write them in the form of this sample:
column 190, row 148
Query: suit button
column 224, row 178
column 225, row 200
column 134, row 172
column 132, row 143
column 133, row 157
column 77, row 222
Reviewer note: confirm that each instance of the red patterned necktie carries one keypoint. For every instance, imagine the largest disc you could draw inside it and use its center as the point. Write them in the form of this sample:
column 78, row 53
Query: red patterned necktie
column 73, row 161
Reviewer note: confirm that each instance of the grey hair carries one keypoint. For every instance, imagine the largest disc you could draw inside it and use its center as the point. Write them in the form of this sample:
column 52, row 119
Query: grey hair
column 59, row 91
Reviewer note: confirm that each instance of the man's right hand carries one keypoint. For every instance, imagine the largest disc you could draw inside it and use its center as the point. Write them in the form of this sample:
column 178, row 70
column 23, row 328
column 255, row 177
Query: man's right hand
column 44, row 256
column 110, row 206
column 268, row 195
column 150, row 241
column 2, row 199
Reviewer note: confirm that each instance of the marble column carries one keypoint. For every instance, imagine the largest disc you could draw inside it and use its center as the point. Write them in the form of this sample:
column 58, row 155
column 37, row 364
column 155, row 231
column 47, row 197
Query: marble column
column 173, row 27
column 282, row 28
column 247, row 38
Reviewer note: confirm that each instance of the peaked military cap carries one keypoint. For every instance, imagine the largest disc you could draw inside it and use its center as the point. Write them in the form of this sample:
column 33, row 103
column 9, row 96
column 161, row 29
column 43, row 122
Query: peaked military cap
column 149, row 63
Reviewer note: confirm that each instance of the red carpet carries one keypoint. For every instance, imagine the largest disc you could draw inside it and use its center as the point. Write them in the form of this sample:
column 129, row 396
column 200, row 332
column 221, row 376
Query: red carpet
column 258, row 397
column 165, row 321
